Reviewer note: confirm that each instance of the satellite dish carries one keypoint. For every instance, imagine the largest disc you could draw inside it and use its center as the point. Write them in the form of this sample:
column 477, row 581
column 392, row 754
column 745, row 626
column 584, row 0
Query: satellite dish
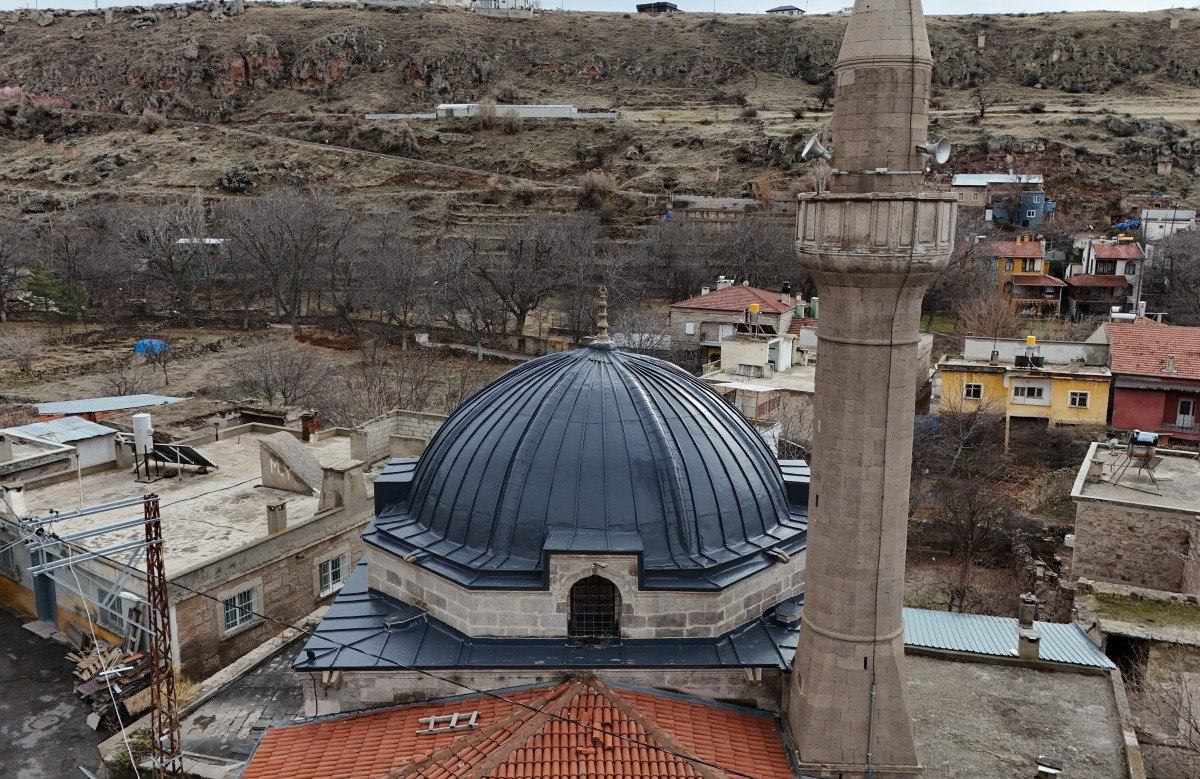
column 939, row 150
column 814, row 147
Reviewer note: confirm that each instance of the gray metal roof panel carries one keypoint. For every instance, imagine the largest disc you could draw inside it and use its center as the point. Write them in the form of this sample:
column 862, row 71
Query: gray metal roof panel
column 62, row 431
column 997, row 636
column 100, row 405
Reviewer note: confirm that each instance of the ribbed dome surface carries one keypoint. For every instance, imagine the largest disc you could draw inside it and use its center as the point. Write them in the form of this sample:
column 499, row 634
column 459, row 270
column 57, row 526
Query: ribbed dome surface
column 595, row 450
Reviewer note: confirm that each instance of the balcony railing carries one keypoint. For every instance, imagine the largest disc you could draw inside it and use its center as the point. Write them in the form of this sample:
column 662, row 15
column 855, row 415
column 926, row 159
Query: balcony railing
column 1193, row 429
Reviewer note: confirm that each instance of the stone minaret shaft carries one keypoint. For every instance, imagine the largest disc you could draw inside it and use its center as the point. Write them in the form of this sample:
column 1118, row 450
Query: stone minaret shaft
column 872, row 244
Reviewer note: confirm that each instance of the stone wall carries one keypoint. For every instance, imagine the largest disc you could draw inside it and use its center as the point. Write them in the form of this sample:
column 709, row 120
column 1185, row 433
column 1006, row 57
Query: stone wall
column 644, row 613
column 360, row 689
column 1125, row 544
column 282, row 567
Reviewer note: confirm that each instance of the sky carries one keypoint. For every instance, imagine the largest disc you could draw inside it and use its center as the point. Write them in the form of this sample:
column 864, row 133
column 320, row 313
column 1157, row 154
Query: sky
column 742, row 6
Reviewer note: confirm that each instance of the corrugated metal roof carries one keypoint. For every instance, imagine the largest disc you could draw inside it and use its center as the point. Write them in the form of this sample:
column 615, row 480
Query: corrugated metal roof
column 997, row 636
column 62, row 431
column 100, row 405
column 983, row 179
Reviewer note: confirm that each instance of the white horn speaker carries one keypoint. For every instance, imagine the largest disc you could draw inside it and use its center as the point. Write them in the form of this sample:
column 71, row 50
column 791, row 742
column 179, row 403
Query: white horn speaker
column 939, row 150
column 814, row 147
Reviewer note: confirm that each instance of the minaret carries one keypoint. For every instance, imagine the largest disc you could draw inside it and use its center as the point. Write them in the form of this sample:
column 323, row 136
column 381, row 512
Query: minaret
column 872, row 244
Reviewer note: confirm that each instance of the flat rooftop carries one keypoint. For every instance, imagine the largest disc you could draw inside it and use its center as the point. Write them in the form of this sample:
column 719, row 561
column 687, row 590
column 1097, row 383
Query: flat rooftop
column 796, row 379
column 1177, row 477
column 204, row 516
column 1049, row 369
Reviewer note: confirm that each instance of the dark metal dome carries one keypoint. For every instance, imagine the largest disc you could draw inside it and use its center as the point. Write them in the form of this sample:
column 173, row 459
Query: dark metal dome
column 592, row 451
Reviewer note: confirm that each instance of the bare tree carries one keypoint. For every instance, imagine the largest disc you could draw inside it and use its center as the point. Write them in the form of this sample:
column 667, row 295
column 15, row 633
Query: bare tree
column 14, row 259
column 973, row 523
column 22, row 347
column 125, row 377
column 276, row 371
column 1166, row 703
column 984, row 98
column 82, row 249
column 396, row 275
column 989, row 316
column 825, row 93
column 287, row 237
column 1173, row 277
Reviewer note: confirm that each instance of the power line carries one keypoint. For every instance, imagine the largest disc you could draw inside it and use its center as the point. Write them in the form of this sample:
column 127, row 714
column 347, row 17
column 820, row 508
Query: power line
column 446, row 680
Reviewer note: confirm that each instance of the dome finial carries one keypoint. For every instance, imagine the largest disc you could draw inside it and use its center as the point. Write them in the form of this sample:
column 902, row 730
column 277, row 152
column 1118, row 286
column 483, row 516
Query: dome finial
column 602, row 318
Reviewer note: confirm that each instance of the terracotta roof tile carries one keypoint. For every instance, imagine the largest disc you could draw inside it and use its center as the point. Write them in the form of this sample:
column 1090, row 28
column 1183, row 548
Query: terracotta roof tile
column 1141, row 348
column 736, row 298
column 512, row 741
column 1120, row 251
column 1037, row 281
column 799, row 324
column 1087, row 280
column 1013, row 249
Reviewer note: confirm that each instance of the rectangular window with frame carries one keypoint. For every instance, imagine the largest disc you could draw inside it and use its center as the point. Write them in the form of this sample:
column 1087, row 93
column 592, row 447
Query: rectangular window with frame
column 1106, row 268
column 1079, row 399
column 973, row 392
column 333, row 573
column 1029, row 393
column 1008, row 265
column 1031, row 214
column 239, row 610
column 1031, row 266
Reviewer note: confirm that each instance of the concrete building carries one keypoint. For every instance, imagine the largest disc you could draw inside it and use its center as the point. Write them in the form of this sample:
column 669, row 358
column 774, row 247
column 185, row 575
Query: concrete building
column 1159, row 223
column 1012, row 198
column 699, row 325
column 786, row 10
column 1045, row 383
column 274, row 528
column 847, row 719
column 1136, row 522
column 1156, row 378
column 94, row 445
column 657, row 9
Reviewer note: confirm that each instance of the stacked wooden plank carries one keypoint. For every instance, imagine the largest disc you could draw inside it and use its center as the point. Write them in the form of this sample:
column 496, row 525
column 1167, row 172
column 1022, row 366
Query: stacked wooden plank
column 115, row 682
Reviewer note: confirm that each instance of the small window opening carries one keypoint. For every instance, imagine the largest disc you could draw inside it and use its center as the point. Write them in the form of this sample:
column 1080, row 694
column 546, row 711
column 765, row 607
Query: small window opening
column 595, row 607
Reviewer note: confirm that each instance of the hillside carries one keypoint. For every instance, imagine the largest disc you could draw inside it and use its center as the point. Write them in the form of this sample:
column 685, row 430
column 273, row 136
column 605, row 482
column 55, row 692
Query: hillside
column 1117, row 92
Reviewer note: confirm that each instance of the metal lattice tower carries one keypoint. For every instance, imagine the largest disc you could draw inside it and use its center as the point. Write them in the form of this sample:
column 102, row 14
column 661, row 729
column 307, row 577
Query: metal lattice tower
column 164, row 714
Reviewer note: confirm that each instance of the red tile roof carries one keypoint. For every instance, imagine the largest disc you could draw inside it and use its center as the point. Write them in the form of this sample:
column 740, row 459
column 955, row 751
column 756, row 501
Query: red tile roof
column 736, row 298
column 1141, row 348
column 1011, row 249
column 799, row 324
column 1037, row 281
column 1086, row 280
column 1120, row 251
column 513, row 741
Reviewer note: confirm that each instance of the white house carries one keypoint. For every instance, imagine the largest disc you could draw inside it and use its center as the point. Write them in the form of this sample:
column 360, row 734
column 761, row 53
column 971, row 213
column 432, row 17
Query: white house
column 786, row 10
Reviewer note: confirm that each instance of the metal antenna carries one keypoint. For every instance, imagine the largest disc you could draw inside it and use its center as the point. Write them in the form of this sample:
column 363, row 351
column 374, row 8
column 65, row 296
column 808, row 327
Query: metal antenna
column 167, row 753
column 602, row 318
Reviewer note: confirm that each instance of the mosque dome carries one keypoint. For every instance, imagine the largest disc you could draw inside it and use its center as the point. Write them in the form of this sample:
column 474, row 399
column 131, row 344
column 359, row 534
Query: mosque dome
column 592, row 451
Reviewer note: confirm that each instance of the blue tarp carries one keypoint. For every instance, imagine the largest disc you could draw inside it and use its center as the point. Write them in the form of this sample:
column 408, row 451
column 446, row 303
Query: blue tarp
column 149, row 346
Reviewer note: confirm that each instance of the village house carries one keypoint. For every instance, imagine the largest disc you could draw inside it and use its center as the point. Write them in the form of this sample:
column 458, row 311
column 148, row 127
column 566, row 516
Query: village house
column 1156, row 378
column 656, row 9
column 699, row 325
column 1031, row 382
column 1159, row 223
column 1022, row 275
column 1108, row 274
column 786, row 10
column 1010, row 198
column 269, row 521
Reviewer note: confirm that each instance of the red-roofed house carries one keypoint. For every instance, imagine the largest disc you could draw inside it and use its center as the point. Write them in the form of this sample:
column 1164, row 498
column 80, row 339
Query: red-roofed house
column 575, row 729
column 699, row 324
column 1156, row 377
column 1108, row 276
column 1022, row 275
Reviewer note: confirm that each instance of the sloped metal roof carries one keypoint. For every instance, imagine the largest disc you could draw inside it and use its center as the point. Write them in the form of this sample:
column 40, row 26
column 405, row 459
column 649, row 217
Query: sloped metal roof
column 62, row 431
column 983, row 179
column 100, row 405
column 997, row 636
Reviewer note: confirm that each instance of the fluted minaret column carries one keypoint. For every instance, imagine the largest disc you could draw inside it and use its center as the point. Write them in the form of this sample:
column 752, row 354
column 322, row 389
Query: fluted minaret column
column 872, row 244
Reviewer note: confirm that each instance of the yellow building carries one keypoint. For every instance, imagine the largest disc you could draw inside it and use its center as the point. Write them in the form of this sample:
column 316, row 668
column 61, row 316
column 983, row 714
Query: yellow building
column 1023, row 275
column 1060, row 383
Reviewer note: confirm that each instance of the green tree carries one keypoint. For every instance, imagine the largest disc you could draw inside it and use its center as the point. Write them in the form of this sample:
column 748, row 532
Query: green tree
column 51, row 294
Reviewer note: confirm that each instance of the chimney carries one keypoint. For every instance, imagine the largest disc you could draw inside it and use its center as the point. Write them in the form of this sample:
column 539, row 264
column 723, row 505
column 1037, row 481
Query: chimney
column 310, row 423
column 1028, row 610
column 785, row 296
column 6, row 450
column 1170, row 366
column 14, row 498
column 276, row 517
column 724, row 283
column 705, row 290
column 1027, row 644
column 1095, row 471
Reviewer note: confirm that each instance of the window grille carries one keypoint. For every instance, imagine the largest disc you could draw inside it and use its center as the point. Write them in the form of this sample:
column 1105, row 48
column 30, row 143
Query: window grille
column 333, row 574
column 239, row 610
column 595, row 606
column 1079, row 399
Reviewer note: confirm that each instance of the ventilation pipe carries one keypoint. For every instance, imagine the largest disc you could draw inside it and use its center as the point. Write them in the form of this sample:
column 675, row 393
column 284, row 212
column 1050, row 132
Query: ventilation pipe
column 14, row 498
column 6, row 449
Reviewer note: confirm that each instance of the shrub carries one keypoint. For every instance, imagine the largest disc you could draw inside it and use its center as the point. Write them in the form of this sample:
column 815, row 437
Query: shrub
column 508, row 95
column 511, row 123
column 485, row 117
column 595, row 187
column 150, row 121
column 749, row 112
column 798, row 113
column 1036, row 108
column 523, row 192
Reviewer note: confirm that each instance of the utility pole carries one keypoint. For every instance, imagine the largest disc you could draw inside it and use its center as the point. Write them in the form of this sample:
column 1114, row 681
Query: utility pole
column 168, row 757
